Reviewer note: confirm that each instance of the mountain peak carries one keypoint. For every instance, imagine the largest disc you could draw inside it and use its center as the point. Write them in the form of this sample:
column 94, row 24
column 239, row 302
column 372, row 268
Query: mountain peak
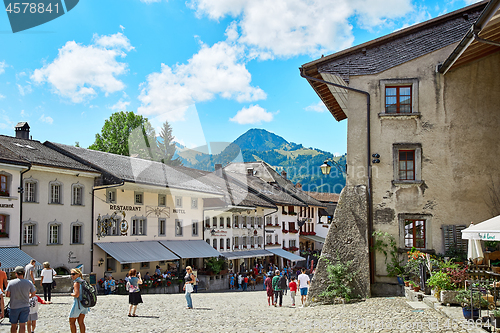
column 260, row 140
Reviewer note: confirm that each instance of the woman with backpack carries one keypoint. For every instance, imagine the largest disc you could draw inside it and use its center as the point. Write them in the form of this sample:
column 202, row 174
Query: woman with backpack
column 134, row 293
column 78, row 311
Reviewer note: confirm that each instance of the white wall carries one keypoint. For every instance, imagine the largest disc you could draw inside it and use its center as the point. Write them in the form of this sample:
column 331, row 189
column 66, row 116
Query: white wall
column 10, row 205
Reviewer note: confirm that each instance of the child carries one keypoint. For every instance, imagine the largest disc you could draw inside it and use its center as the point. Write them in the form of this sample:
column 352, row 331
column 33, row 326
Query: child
column 231, row 281
column 33, row 316
column 293, row 289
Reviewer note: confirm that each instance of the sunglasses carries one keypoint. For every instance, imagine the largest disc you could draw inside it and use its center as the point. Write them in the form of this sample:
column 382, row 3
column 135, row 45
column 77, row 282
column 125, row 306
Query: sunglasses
column 74, row 273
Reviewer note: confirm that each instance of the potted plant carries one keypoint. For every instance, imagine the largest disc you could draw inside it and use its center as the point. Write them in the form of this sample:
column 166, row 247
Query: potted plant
column 491, row 246
column 407, row 283
column 441, row 281
column 471, row 302
column 495, row 318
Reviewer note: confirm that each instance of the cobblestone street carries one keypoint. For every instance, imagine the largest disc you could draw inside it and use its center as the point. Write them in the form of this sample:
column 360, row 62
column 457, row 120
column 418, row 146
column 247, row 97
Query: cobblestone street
column 243, row 312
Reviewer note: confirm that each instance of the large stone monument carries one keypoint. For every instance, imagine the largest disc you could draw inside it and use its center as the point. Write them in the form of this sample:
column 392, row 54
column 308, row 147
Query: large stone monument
column 347, row 240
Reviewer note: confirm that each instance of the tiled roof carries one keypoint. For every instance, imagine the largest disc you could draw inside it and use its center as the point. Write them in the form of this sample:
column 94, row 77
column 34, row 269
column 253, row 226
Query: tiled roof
column 9, row 157
column 137, row 170
column 274, row 193
column 234, row 194
column 38, row 154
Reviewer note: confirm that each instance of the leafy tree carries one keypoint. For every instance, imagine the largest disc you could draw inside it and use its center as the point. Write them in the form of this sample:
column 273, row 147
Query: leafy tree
column 115, row 133
column 142, row 142
column 166, row 146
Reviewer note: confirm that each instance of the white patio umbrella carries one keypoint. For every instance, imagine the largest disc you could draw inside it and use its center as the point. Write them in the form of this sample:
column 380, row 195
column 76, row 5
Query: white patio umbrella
column 474, row 251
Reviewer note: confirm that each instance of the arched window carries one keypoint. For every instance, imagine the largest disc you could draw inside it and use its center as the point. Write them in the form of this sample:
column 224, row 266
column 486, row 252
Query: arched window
column 214, row 221
column 55, row 192
column 30, row 190
column 215, row 243
column 221, row 247
column 29, row 233
column 77, row 191
column 228, row 243
column 228, row 222
column 208, row 241
column 207, row 222
column 4, row 186
column 221, row 222
column 4, row 226
column 235, row 220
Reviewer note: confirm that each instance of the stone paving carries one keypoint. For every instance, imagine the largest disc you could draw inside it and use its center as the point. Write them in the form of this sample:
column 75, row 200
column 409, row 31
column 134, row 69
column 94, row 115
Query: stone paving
column 238, row 311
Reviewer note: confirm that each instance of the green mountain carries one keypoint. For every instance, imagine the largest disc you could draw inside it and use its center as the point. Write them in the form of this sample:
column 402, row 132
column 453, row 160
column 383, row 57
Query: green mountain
column 300, row 163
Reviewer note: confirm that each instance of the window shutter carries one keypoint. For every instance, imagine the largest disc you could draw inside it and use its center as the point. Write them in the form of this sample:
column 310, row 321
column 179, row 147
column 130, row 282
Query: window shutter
column 452, row 234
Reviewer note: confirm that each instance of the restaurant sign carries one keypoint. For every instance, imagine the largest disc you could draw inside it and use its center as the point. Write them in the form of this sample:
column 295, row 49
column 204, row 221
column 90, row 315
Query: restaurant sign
column 487, row 236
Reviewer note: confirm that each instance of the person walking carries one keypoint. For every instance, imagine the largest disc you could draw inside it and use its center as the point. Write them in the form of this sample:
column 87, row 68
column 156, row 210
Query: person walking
column 78, row 311
column 269, row 289
column 3, row 279
column 47, row 278
column 188, row 286
column 283, row 282
column 245, row 282
column 33, row 316
column 293, row 289
column 304, row 283
column 240, row 281
column 278, row 292
column 134, row 292
column 29, row 271
column 231, row 281
column 20, row 291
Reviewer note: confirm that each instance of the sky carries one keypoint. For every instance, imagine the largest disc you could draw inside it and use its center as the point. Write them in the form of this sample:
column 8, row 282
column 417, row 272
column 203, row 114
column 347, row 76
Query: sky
column 213, row 68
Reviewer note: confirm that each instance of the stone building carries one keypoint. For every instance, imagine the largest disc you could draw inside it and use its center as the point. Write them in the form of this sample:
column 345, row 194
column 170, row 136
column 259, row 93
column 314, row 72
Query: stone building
column 421, row 105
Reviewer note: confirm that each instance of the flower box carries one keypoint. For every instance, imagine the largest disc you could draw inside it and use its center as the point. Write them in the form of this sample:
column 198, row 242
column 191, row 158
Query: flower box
column 294, row 231
column 251, row 246
column 276, row 243
column 4, row 235
column 285, row 248
column 292, row 213
column 228, row 247
column 284, row 213
column 4, row 193
column 312, row 233
column 269, row 224
column 284, row 231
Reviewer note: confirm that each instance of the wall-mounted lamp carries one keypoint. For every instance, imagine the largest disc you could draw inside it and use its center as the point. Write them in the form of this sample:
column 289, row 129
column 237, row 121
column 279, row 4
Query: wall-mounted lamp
column 326, row 167
column 101, row 262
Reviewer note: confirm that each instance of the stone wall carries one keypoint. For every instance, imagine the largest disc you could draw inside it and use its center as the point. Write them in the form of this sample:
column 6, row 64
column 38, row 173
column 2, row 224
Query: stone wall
column 347, row 240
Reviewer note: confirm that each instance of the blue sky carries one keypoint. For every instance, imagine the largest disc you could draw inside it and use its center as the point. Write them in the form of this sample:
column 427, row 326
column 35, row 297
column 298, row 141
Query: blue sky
column 213, row 68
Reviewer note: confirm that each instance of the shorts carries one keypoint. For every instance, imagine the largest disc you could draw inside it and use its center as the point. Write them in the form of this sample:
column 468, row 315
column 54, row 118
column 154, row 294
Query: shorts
column 33, row 316
column 19, row 315
column 303, row 291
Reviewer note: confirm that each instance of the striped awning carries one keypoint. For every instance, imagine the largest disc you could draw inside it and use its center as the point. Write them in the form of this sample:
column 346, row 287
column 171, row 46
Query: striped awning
column 191, row 248
column 132, row 252
column 10, row 257
column 285, row 254
column 246, row 254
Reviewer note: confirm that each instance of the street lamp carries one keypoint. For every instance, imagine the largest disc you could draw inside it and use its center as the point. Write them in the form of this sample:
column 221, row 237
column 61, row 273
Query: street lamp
column 326, row 167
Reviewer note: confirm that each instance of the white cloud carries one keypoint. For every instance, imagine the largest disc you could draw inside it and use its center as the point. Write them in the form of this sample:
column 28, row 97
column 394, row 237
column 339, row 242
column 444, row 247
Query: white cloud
column 254, row 114
column 2, row 96
column 286, row 28
column 470, row 2
column 5, row 121
column 3, row 65
column 218, row 70
column 122, row 27
column 121, row 105
column 47, row 119
column 79, row 69
column 318, row 107
column 24, row 90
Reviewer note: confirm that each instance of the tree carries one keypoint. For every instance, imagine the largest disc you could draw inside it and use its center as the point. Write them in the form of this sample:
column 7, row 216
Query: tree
column 166, row 146
column 115, row 133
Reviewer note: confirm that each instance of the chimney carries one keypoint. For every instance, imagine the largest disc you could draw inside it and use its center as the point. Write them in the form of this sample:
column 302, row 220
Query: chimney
column 250, row 172
column 283, row 174
column 218, row 170
column 299, row 186
column 23, row 130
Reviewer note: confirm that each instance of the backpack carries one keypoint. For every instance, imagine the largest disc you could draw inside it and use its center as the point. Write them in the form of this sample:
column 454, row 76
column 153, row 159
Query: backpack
column 282, row 282
column 88, row 294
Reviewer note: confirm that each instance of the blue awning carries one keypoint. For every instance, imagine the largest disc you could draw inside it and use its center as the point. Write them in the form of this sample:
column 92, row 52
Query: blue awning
column 246, row 254
column 285, row 254
column 132, row 252
column 10, row 257
column 191, row 248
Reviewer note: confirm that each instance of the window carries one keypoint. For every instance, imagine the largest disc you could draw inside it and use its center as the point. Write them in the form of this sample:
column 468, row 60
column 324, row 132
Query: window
column 110, row 264
column 259, row 221
column 221, row 247
column 55, row 195
column 414, row 233
column 291, row 243
column 215, row 243
column 29, row 233
column 406, row 165
column 228, row 243
column 77, row 194
column 145, row 264
column 111, row 196
column 291, row 209
column 178, row 202
column 125, row 267
column 195, row 228
column 244, row 222
column 269, row 239
column 236, row 243
column 4, row 189
column 162, row 200
column 244, row 242
column 207, row 222
column 235, row 219
column 30, row 186
column 276, row 220
column 54, row 233
column 312, row 212
column 252, row 222
column 114, row 229
column 407, row 161
column 76, row 233
column 291, row 226
column 252, row 242
column 4, row 226
column 194, row 203
column 398, row 99
column 208, row 241
column 214, row 222
column 221, row 222
column 139, row 198
column 228, row 222
column 276, row 239
column 138, row 226
column 178, row 227
column 162, row 225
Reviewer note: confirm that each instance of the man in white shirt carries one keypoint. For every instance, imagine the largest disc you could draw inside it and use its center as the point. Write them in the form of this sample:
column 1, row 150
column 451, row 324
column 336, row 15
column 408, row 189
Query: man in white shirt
column 304, row 283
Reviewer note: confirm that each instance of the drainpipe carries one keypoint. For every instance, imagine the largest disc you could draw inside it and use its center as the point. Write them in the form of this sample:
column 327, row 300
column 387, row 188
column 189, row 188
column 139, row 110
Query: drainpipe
column 368, row 165
column 21, row 207
column 476, row 32
column 92, row 222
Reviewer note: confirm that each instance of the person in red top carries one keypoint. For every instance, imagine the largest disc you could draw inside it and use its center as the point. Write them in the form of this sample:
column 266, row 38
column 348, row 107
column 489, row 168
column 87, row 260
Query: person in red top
column 245, row 283
column 293, row 290
column 3, row 279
